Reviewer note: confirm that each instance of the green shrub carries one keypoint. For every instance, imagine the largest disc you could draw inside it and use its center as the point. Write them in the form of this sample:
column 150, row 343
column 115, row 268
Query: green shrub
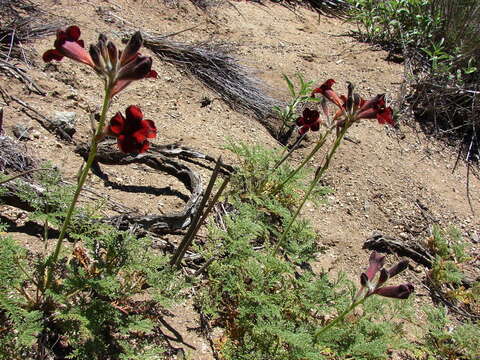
column 270, row 307
column 93, row 310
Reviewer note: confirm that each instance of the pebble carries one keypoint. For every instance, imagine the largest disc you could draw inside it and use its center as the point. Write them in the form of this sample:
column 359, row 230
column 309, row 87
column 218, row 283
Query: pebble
column 21, row 132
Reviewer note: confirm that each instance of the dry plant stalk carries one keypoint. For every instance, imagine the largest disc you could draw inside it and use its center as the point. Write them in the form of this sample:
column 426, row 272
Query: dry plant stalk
column 219, row 71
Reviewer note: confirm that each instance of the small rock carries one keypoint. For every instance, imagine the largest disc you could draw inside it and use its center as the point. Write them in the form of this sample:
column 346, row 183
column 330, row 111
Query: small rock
column 404, row 235
column 21, row 132
column 36, row 134
column 65, row 120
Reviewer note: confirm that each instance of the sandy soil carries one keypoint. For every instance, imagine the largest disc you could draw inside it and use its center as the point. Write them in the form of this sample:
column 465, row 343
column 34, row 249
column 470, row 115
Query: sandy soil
column 392, row 181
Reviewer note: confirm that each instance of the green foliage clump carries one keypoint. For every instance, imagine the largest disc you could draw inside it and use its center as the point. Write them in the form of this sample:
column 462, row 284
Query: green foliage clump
column 439, row 39
column 269, row 306
column 447, row 340
column 395, row 23
column 108, row 296
column 450, row 252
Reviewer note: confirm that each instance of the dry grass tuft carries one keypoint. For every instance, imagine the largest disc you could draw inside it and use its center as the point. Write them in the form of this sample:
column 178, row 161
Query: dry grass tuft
column 22, row 22
column 219, row 71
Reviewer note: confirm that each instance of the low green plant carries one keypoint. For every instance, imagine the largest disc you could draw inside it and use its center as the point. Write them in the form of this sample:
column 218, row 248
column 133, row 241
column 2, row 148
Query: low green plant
column 274, row 307
column 395, row 23
column 439, row 39
column 450, row 251
column 93, row 308
column 446, row 339
column 288, row 114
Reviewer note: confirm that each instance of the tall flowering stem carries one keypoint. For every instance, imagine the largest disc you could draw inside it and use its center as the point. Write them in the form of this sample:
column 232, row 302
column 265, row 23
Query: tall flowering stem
column 117, row 69
column 338, row 319
column 81, row 181
column 371, row 284
column 318, row 175
column 292, row 174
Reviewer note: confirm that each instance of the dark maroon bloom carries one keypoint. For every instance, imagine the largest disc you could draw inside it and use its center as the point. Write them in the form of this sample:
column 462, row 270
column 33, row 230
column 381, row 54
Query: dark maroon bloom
column 309, row 121
column 376, row 262
column 121, row 68
column 132, row 131
column 68, row 44
column 118, row 69
column 375, row 109
column 326, row 90
column 370, row 287
column 398, row 292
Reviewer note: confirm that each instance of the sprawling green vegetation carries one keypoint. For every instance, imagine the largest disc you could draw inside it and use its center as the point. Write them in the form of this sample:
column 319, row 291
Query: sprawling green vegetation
column 439, row 40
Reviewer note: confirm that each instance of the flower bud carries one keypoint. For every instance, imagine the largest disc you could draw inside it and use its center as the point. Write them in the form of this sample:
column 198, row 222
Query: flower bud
column 398, row 292
column 398, row 268
column 137, row 69
column 133, row 45
column 112, row 53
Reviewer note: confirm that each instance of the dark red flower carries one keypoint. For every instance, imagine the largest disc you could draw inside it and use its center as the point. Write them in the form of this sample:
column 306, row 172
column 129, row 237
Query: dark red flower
column 122, row 67
column 375, row 109
column 326, row 90
column 376, row 262
column 398, row 268
column 68, row 44
column 309, row 121
column 132, row 131
column 118, row 69
column 370, row 287
column 398, row 292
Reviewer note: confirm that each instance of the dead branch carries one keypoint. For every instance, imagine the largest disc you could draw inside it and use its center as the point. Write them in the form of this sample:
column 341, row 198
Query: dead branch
column 42, row 120
column 216, row 69
column 154, row 223
column 383, row 243
column 20, row 74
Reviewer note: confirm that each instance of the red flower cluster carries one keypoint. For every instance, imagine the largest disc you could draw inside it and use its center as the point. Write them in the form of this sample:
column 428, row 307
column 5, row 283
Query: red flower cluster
column 68, row 44
column 376, row 263
column 353, row 107
column 117, row 68
column 309, row 121
column 132, row 131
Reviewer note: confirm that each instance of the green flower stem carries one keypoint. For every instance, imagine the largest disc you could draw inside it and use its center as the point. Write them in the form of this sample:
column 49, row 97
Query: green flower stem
column 318, row 175
column 290, row 152
column 317, row 147
column 338, row 318
column 81, row 181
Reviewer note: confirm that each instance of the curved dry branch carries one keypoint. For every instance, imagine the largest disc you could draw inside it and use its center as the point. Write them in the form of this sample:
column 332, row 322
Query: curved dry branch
column 154, row 223
column 13, row 159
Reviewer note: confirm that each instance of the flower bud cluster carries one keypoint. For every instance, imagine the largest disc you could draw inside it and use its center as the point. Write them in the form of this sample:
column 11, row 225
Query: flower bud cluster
column 371, row 286
column 118, row 69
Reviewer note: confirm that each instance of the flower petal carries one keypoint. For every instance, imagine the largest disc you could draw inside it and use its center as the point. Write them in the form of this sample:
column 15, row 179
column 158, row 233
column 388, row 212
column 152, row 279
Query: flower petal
column 398, row 268
column 127, row 144
column 119, row 86
column 376, row 102
column 151, row 128
column 376, row 262
column 131, row 50
column 151, row 75
column 385, row 116
column 74, row 51
column 326, row 90
column 136, row 69
column 315, row 126
column 398, row 292
column 73, row 33
column 117, row 124
column 134, row 113
column 52, row 54
column 303, row 129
